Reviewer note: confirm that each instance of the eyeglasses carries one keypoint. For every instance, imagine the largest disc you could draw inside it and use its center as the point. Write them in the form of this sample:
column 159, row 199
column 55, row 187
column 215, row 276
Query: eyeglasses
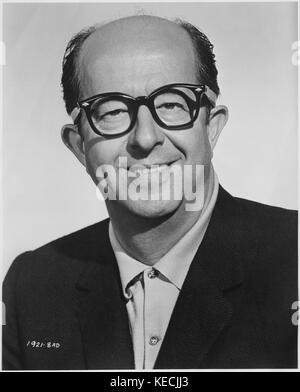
column 173, row 107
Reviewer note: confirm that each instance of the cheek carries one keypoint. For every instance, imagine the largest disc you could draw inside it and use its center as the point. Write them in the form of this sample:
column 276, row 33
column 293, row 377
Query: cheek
column 100, row 151
column 199, row 145
column 194, row 144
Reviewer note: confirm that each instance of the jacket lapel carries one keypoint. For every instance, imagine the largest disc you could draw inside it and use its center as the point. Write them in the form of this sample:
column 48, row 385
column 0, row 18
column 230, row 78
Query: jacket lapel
column 202, row 311
column 199, row 316
column 102, row 314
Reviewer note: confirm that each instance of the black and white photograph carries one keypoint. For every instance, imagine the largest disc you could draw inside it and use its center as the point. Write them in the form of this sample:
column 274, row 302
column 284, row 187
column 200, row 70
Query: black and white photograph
column 149, row 187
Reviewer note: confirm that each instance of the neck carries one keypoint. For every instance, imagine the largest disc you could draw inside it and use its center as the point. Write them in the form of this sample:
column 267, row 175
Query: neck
column 149, row 239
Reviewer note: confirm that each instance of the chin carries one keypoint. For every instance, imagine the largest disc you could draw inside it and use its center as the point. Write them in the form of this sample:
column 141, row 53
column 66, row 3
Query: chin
column 153, row 208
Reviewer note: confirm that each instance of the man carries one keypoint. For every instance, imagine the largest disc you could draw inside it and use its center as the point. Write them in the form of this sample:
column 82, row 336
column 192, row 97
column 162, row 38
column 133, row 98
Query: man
column 166, row 282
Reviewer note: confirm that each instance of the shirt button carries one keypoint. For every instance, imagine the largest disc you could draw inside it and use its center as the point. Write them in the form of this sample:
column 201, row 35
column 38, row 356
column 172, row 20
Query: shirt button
column 152, row 274
column 154, row 340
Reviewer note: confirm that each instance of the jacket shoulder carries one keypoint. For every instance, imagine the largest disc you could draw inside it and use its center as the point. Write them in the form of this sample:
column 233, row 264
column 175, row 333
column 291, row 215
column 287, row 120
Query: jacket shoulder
column 267, row 211
column 59, row 262
column 272, row 269
column 271, row 234
column 271, row 227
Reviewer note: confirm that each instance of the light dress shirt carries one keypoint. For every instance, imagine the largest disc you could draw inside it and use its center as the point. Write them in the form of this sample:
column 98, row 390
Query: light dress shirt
column 151, row 292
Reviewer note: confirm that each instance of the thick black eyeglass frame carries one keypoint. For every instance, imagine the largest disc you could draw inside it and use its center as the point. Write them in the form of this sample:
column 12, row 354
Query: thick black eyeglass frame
column 135, row 103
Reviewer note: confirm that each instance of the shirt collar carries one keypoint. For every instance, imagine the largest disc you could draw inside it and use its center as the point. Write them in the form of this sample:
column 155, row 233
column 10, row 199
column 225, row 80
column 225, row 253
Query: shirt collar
column 174, row 265
column 128, row 266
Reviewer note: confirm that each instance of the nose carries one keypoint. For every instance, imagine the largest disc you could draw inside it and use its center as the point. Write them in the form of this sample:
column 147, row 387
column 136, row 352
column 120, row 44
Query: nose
column 146, row 133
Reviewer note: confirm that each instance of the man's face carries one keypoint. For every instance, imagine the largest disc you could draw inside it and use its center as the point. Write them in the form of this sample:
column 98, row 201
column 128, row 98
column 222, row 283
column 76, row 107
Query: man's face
column 136, row 58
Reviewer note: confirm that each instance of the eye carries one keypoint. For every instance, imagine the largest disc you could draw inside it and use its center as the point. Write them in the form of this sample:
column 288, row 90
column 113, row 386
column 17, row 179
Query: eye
column 170, row 102
column 172, row 106
column 112, row 113
column 111, row 110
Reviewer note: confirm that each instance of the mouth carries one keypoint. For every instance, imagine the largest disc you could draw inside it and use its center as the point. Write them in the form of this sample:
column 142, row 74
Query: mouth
column 148, row 169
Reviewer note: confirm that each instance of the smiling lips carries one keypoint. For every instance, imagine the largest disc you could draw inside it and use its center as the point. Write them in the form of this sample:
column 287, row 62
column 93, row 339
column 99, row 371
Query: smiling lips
column 156, row 168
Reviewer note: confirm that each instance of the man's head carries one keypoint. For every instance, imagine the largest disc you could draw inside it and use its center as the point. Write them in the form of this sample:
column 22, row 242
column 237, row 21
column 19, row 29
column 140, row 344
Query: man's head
column 136, row 56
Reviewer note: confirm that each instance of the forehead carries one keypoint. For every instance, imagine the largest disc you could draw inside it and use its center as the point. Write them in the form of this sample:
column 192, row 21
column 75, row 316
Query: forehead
column 135, row 54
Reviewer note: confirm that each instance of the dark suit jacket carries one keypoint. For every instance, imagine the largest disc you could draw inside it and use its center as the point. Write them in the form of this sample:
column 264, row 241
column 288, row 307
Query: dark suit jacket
column 234, row 310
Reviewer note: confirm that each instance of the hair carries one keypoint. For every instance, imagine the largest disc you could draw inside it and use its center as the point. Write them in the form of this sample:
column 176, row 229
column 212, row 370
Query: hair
column 206, row 65
column 205, row 58
column 70, row 80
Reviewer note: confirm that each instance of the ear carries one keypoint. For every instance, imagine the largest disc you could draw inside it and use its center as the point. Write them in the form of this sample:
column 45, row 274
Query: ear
column 217, row 120
column 74, row 141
